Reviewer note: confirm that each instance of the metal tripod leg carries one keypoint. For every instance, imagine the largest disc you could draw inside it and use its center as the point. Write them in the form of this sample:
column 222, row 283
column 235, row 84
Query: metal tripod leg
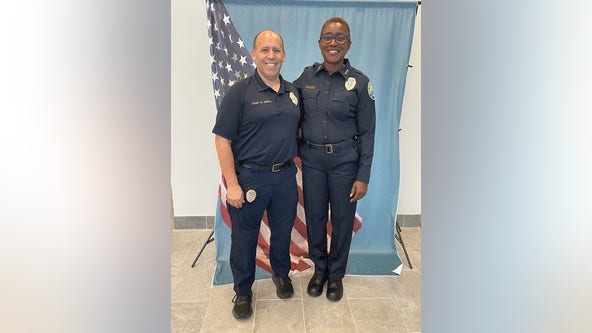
column 208, row 241
column 400, row 239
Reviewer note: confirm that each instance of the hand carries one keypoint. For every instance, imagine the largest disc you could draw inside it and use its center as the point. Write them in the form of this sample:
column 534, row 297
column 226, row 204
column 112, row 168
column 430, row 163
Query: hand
column 358, row 191
column 234, row 196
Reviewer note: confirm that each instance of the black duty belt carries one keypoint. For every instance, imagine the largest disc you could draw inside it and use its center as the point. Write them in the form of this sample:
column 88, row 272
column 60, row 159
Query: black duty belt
column 330, row 148
column 273, row 168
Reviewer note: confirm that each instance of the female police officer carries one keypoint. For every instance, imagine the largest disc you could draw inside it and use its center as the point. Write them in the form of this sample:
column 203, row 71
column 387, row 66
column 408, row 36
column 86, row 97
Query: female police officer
column 338, row 144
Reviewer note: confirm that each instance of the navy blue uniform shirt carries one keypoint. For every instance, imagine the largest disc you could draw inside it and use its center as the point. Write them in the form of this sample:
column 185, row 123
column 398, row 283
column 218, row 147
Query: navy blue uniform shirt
column 339, row 107
column 261, row 123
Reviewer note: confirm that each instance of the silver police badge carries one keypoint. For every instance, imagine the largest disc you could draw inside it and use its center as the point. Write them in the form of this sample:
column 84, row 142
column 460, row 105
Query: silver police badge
column 293, row 98
column 251, row 195
column 350, row 83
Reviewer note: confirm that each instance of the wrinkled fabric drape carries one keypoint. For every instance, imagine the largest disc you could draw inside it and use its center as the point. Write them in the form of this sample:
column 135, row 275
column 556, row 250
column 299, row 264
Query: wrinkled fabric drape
column 381, row 33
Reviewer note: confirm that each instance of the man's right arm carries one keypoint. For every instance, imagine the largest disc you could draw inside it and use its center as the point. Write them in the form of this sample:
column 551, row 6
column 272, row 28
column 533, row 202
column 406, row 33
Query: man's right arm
column 234, row 193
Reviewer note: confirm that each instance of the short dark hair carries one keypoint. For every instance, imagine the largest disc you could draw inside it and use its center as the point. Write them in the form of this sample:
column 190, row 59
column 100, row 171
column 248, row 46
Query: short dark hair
column 336, row 19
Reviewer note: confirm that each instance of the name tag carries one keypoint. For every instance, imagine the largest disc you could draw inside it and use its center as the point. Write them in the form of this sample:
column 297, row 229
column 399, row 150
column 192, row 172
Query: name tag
column 261, row 102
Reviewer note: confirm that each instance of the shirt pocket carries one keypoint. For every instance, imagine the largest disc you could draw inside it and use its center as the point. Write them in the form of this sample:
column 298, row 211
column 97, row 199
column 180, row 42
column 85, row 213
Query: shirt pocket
column 309, row 101
column 344, row 105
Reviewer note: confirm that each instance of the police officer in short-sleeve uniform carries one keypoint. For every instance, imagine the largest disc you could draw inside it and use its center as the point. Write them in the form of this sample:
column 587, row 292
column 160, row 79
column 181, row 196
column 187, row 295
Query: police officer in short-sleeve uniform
column 255, row 131
column 337, row 129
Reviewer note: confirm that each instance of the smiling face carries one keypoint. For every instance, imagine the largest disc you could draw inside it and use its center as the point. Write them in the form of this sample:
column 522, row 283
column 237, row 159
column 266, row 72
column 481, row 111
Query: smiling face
column 335, row 49
column 268, row 54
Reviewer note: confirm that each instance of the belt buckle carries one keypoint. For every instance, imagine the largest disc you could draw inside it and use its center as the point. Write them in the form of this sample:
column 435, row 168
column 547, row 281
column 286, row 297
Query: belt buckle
column 277, row 167
column 328, row 148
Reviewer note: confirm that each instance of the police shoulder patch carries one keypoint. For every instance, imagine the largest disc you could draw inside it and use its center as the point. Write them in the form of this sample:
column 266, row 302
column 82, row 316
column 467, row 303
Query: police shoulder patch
column 370, row 90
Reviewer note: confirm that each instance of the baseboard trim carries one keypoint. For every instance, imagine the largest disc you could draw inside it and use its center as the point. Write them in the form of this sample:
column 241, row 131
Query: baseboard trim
column 409, row 221
column 194, row 222
column 207, row 222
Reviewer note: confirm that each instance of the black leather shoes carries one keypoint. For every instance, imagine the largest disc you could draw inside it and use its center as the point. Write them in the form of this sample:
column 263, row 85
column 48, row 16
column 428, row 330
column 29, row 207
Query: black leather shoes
column 283, row 287
column 334, row 291
column 242, row 306
column 315, row 285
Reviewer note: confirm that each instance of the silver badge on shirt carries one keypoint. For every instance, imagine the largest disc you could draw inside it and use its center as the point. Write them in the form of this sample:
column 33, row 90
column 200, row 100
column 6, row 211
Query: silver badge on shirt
column 293, row 98
column 350, row 83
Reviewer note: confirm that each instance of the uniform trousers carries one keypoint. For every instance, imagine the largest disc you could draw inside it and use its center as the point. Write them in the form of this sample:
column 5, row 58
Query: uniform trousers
column 277, row 193
column 327, row 179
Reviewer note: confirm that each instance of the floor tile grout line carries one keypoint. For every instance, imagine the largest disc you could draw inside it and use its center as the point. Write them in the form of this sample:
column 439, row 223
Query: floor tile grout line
column 367, row 298
column 255, row 307
column 188, row 302
column 400, row 314
column 203, row 320
column 194, row 241
column 302, row 305
column 351, row 313
column 407, row 322
column 398, row 310
column 185, row 256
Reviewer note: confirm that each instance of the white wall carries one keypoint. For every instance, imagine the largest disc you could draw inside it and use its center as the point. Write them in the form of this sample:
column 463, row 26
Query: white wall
column 410, row 134
column 194, row 165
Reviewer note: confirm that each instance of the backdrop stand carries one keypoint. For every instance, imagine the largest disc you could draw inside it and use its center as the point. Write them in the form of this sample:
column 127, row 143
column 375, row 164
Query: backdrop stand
column 400, row 239
column 208, row 241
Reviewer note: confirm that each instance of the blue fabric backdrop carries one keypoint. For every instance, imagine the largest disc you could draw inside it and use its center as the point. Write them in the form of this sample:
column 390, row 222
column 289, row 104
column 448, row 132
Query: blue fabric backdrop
column 381, row 33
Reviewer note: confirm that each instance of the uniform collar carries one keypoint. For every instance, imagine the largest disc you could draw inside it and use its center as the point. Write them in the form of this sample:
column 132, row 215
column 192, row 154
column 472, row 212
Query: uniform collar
column 345, row 70
column 261, row 86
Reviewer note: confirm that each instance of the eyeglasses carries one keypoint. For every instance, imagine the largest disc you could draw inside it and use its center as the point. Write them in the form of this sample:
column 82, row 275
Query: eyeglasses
column 339, row 38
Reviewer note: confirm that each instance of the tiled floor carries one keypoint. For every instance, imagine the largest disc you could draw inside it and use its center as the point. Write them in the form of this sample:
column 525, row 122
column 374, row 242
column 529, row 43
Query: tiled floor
column 370, row 304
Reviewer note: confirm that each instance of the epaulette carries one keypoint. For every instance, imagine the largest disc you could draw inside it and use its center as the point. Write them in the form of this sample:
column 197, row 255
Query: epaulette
column 359, row 72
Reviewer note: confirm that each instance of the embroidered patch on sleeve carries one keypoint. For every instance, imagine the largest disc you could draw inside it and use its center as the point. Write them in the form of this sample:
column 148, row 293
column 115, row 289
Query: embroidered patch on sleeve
column 370, row 90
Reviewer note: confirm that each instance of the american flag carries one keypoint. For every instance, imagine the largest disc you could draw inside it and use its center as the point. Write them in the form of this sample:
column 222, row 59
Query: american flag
column 231, row 61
